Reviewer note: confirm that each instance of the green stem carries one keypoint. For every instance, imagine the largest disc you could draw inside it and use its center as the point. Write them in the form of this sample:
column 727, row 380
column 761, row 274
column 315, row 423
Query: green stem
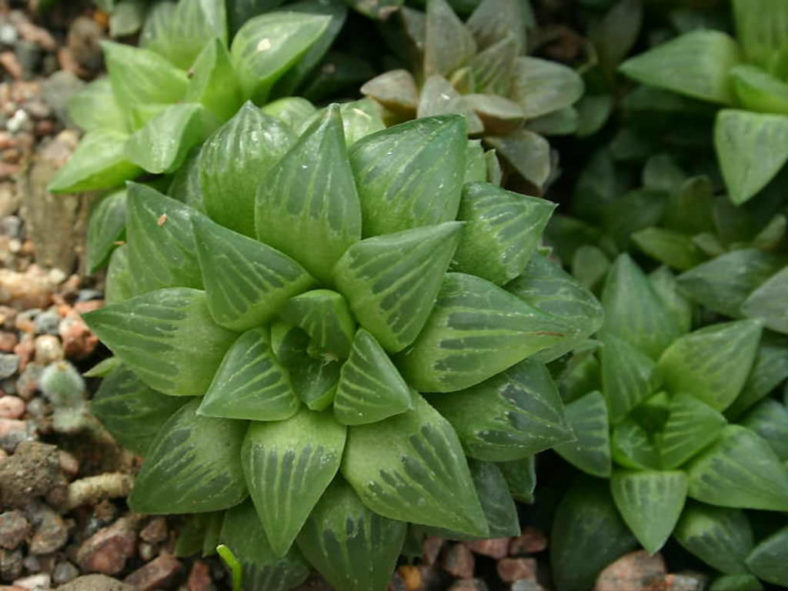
column 233, row 564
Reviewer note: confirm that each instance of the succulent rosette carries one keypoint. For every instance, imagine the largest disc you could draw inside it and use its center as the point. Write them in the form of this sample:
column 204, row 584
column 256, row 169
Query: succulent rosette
column 348, row 330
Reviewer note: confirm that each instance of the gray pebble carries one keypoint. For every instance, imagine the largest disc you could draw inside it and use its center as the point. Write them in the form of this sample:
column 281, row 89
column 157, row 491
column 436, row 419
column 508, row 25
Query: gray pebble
column 88, row 295
column 9, row 364
column 11, row 226
column 8, row 34
column 14, row 528
column 64, row 572
column 47, row 322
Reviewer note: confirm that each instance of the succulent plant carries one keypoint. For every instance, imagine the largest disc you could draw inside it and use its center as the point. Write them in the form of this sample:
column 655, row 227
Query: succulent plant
column 683, row 424
column 479, row 69
column 746, row 76
column 332, row 337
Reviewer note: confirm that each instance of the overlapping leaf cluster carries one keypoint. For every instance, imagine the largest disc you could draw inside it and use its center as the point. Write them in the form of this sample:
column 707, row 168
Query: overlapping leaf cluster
column 335, row 326
column 479, row 69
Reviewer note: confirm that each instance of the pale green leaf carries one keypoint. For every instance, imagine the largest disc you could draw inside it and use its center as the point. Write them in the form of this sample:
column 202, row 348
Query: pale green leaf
column 768, row 302
column 213, row 82
column 667, row 287
column 323, row 315
column 186, row 471
column 288, row 465
column 391, row 281
column 476, row 330
column 370, row 388
column 448, row 44
column 590, row 452
column 501, row 233
column 411, row 174
column 541, row 86
column 246, row 281
column 492, row 67
column 354, row 548
column 722, row 538
column 711, row 363
column 130, row 410
column 634, row 447
column 361, row 118
column 527, row 152
column 388, row 464
column 740, row 470
column 94, row 107
column 696, row 64
column 761, row 28
column 155, row 31
column 751, row 148
column 510, row 416
column 757, row 90
column 99, row 162
column 396, row 90
column 167, row 337
column 691, row 426
column 250, row 384
column 628, row 376
column 307, row 205
column 119, row 285
column 127, row 18
column 106, row 227
column 670, row 248
column 650, row 503
column 192, row 23
column 293, row 111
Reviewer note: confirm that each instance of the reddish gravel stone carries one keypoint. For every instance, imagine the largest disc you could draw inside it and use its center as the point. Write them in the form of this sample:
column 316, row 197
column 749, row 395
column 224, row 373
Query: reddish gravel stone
column 530, row 541
column 155, row 531
column 10, row 64
column 516, row 569
column 199, row 577
column 458, row 561
column 11, row 407
column 108, row 549
column 431, row 549
column 154, row 574
column 8, row 340
column 495, row 548
column 78, row 340
column 635, row 571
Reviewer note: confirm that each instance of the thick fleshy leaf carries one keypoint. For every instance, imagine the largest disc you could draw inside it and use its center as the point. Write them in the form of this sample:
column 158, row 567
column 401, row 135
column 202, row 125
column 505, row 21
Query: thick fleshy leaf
column 193, row 466
column 740, row 470
column 214, row 83
column 119, row 285
column 185, row 185
column 667, row 287
column 768, row 559
column 354, row 548
column 590, row 452
column 439, row 97
column 106, row 227
column 498, row 114
column 288, row 464
column 387, row 464
column 691, row 426
column 165, row 141
column 392, row 281
column 268, row 45
column 650, row 503
column 250, row 384
column 633, row 310
column 502, row 231
column 757, row 90
column 562, row 122
column 541, row 86
column 768, row 371
column 632, row 446
column 722, row 538
column 614, row 34
column 520, row 476
column 167, row 337
column 476, row 330
column 294, row 111
column 527, row 152
column 508, row 417
column 587, row 535
column 695, row 64
column 246, row 281
column 194, row 21
column 99, row 162
column 769, row 419
column 307, row 205
column 711, row 363
column 751, row 148
column 155, row 31
column 243, row 533
column 744, row 582
column 760, row 28
column 235, row 160
column 492, row 67
column 315, row 380
column 396, row 90
column 548, row 288
column 674, row 249
column 133, row 412
column 724, row 283
column 411, row 174
column 370, row 388
column 448, row 45
column 162, row 249
column 95, row 107
column 361, row 118
column 140, row 76
column 768, row 302
column 324, row 315
column 628, row 376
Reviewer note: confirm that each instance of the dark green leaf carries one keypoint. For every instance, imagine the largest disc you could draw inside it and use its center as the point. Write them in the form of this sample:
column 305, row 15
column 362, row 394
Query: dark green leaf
column 288, row 464
column 508, row 417
column 193, row 465
column 768, row 371
column 388, row 464
column 167, row 337
column 768, row 302
column 736, row 583
column 767, row 559
column 527, row 152
column 665, row 284
column 670, row 248
column 106, row 227
column 119, row 285
column 391, row 281
column 493, row 20
column 250, row 384
column 590, row 452
column 769, row 419
column 520, row 475
column 691, row 426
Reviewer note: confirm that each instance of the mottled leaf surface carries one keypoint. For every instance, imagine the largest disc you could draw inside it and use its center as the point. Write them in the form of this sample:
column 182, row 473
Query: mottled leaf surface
column 590, row 452
column 720, row 537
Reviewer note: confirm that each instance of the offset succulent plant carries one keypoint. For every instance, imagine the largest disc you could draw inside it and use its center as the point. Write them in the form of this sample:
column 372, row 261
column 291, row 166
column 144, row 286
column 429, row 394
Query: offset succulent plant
column 747, row 76
column 683, row 424
column 331, row 336
column 479, row 69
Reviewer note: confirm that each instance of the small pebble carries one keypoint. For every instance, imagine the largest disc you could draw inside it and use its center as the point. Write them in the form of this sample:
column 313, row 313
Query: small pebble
column 38, row 582
column 14, row 528
column 154, row 574
column 18, row 122
column 8, row 34
column 64, row 572
column 146, row 551
column 155, row 531
column 530, row 541
column 458, row 561
column 8, row 340
column 495, row 548
column 69, row 465
column 47, row 322
column 48, row 349
column 11, row 407
column 108, row 549
column 51, row 532
column 516, row 569
column 9, row 364
column 10, row 564
column 199, row 577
